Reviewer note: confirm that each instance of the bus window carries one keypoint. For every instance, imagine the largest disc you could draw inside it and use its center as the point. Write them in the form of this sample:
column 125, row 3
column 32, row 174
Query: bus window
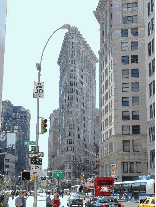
column 105, row 182
column 136, row 187
column 116, row 188
column 125, row 188
column 142, row 187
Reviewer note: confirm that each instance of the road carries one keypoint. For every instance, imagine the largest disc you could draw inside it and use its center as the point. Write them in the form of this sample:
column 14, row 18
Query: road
column 41, row 201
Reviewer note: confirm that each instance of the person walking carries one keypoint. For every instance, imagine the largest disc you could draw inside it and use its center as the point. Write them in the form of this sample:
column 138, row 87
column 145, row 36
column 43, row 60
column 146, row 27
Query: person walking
column 18, row 200
column 48, row 200
column 56, row 200
column 23, row 198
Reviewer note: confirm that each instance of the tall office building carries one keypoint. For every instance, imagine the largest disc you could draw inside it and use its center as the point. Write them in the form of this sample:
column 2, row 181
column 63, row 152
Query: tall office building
column 3, row 13
column 150, row 82
column 17, row 119
column 77, row 96
column 122, row 83
column 53, row 141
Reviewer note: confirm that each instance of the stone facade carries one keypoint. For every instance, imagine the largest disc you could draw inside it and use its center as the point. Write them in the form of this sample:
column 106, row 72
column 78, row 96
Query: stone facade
column 77, row 96
column 122, row 83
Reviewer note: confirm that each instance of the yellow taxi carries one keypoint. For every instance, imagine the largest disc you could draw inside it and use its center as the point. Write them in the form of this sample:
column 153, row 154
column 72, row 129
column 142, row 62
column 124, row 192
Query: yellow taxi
column 150, row 202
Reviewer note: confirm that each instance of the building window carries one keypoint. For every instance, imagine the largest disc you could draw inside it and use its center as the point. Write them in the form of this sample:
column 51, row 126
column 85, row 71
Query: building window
column 135, row 115
column 152, row 159
column 130, row 6
column 131, row 167
column 134, row 32
column 135, row 129
column 135, row 101
column 134, row 45
column 125, row 59
column 130, row 19
column 135, row 86
column 135, row 145
column 149, row 8
column 154, row 87
column 125, row 87
column 71, row 83
column 125, row 115
column 149, row 28
column 154, row 110
column 125, row 167
column 125, row 73
column 71, row 90
column 124, row 33
column 150, row 89
column 126, row 130
column 153, row 65
column 153, row 45
column 135, row 73
column 126, row 145
column 71, row 97
column 138, row 165
column 149, row 48
column 151, row 112
column 124, row 46
column 152, row 5
column 152, row 23
column 134, row 58
column 125, row 101
column 150, row 69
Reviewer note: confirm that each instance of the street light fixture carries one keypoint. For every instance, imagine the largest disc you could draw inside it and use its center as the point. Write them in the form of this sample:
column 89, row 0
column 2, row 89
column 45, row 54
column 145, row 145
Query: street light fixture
column 38, row 65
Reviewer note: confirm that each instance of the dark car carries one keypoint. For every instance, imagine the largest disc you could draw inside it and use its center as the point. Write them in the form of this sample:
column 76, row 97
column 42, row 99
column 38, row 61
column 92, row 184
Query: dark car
column 105, row 201
column 75, row 200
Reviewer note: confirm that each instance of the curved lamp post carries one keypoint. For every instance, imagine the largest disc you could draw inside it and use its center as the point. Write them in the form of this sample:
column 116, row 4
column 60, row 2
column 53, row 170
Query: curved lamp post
column 38, row 65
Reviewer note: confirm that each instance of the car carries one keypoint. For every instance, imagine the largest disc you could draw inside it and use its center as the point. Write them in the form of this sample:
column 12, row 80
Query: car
column 75, row 200
column 105, row 202
column 149, row 202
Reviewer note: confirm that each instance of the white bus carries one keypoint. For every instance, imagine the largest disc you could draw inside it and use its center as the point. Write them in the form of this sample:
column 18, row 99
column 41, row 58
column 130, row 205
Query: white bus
column 134, row 190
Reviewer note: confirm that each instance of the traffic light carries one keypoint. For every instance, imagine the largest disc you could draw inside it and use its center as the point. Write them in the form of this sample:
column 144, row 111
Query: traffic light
column 43, row 126
column 26, row 175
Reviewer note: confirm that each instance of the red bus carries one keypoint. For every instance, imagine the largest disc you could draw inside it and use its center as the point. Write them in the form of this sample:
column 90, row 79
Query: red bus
column 101, row 186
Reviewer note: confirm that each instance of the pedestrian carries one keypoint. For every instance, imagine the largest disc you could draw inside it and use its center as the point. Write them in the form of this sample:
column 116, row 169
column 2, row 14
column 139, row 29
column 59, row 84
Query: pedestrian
column 23, row 198
column 48, row 200
column 18, row 200
column 56, row 200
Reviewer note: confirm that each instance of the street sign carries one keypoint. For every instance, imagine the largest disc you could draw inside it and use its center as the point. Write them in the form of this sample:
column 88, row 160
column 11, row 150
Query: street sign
column 36, row 170
column 20, row 186
column 58, row 173
column 33, row 148
column 36, row 161
column 29, row 142
column 38, row 90
column 37, row 154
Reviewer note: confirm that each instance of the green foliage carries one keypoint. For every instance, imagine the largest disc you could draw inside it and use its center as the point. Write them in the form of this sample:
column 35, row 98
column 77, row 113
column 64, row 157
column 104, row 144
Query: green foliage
column 1, row 204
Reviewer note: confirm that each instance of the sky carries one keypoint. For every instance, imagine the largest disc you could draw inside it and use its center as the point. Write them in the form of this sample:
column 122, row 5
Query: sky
column 29, row 24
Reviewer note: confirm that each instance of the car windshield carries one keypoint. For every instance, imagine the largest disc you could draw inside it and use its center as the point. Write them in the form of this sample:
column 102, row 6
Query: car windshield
column 147, row 201
column 103, row 201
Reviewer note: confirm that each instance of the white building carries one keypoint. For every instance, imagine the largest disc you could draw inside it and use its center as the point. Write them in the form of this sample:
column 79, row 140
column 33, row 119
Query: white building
column 3, row 13
column 122, row 83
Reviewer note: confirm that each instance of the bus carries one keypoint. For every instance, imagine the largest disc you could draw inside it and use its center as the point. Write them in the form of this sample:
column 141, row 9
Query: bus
column 100, row 186
column 134, row 190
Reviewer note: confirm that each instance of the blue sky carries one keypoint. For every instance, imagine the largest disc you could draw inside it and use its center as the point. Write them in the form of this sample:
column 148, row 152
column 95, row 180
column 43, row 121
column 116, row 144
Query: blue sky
column 29, row 24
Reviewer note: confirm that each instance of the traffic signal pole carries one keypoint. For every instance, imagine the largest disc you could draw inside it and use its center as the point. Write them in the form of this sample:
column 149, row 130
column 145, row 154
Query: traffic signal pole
column 37, row 138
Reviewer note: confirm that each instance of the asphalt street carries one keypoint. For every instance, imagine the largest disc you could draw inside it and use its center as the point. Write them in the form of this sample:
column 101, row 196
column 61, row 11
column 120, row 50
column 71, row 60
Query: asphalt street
column 41, row 201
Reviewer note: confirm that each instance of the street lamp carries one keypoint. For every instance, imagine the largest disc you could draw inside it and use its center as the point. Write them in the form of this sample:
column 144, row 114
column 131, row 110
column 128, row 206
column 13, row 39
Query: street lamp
column 38, row 65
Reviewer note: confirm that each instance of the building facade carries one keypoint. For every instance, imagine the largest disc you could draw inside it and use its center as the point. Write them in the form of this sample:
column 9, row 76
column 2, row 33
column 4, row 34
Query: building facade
column 17, row 119
column 53, row 141
column 77, row 96
column 122, row 83
column 3, row 14
column 150, row 82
